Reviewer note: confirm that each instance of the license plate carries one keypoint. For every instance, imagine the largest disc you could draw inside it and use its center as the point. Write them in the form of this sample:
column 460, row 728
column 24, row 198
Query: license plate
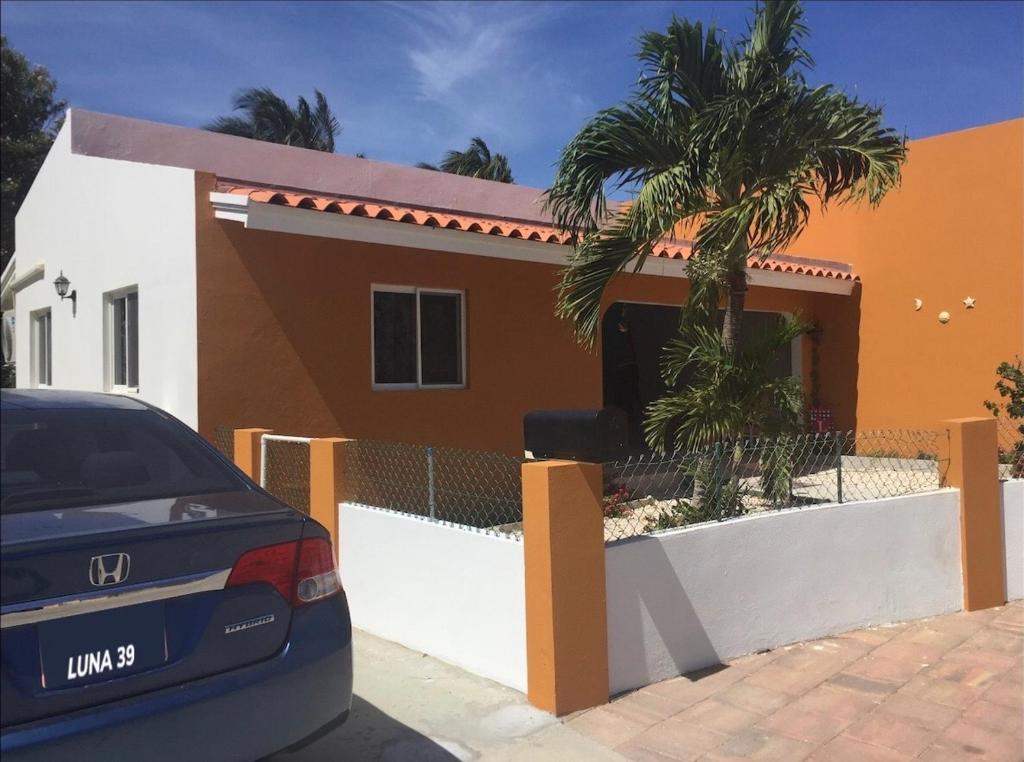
column 94, row 647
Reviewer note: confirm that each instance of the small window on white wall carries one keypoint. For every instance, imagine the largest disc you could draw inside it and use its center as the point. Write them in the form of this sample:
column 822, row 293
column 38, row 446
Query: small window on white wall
column 123, row 339
column 418, row 338
column 42, row 349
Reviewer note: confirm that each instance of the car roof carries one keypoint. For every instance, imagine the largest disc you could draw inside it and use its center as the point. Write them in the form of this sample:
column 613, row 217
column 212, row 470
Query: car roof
column 57, row 399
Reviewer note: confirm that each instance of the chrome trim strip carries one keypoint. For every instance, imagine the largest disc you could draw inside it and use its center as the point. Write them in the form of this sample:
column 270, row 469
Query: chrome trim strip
column 40, row 611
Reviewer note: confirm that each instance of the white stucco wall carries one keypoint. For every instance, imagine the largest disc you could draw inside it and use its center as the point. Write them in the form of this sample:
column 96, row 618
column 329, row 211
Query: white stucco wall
column 453, row 593
column 694, row 597
column 1013, row 537
column 108, row 225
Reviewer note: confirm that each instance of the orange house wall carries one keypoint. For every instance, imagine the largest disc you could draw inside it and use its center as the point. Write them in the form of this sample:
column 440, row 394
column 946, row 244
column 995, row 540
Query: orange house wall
column 954, row 228
column 284, row 338
column 284, row 320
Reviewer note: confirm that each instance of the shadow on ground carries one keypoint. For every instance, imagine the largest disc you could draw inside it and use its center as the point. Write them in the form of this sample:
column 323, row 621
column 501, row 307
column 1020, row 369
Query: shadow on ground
column 370, row 734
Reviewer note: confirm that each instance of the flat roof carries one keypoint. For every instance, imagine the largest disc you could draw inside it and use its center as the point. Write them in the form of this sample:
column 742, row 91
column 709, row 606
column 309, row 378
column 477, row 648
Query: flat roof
column 257, row 162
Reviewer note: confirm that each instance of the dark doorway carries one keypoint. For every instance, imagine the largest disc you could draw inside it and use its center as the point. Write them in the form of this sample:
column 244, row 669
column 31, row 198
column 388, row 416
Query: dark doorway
column 633, row 338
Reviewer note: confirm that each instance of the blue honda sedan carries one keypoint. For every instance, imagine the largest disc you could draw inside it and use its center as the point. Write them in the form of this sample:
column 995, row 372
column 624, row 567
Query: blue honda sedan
column 156, row 604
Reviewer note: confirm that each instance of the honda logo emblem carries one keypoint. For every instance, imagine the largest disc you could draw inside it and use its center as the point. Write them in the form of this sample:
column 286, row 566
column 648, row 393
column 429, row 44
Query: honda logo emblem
column 110, row 569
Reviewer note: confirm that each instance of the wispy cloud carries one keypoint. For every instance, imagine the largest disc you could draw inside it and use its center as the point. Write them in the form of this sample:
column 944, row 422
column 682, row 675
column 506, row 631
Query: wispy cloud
column 485, row 69
column 460, row 44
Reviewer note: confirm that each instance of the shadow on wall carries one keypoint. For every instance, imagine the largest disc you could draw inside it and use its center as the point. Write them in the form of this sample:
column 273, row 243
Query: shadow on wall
column 370, row 734
column 675, row 622
column 838, row 361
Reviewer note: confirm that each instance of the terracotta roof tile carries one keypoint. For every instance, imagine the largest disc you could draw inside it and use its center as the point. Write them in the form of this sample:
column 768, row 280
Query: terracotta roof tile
column 506, row 228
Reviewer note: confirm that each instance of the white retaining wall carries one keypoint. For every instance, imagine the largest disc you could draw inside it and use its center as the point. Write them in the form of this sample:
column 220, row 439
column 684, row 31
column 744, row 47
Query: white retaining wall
column 1013, row 537
column 694, row 597
column 454, row 593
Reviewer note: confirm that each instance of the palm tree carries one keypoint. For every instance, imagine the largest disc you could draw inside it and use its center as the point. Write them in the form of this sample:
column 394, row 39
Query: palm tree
column 726, row 144
column 268, row 117
column 475, row 161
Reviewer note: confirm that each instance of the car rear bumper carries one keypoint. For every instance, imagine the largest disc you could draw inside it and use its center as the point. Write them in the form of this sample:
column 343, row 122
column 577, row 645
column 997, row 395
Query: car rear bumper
column 239, row 715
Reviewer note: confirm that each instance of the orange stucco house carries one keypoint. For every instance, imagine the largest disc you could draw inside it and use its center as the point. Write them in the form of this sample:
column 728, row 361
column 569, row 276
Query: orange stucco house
column 328, row 295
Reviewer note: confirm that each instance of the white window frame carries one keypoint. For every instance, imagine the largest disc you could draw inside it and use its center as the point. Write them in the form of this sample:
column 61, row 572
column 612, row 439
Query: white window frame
column 35, row 325
column 402, row 386
column 110, row 339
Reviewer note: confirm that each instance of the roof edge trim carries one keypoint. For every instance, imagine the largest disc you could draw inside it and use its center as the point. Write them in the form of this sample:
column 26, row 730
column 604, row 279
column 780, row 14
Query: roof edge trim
column 299, row 221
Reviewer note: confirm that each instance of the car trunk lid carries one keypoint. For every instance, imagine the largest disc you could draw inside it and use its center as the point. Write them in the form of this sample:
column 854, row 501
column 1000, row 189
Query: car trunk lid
column 102, row 603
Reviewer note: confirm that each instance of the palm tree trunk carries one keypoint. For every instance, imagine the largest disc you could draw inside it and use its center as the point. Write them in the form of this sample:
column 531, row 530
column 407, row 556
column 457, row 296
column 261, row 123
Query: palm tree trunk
column 723, row 472
column 734, row 304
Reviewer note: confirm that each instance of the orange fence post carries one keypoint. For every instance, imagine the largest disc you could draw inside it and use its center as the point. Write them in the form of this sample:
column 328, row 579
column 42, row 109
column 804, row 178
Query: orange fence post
column 327, row 482
column 969, row 448
column 247, row 451
column 566, row 616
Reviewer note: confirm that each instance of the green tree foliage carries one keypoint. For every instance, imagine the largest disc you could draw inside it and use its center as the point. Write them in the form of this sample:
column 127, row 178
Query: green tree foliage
column 728, row 144
column 476, row 161
column 29, row 121
column 1010, row 387
column 266, row 116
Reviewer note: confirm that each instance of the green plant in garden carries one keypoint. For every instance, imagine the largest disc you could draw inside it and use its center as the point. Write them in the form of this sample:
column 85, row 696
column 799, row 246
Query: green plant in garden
column 615, row 500
column 682, row 513
column 725, row 143
column 1010, row 387
column 777, row 468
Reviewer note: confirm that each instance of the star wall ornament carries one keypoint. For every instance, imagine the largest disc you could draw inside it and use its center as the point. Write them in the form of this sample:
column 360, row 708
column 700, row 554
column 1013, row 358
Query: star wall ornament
column 969, row 302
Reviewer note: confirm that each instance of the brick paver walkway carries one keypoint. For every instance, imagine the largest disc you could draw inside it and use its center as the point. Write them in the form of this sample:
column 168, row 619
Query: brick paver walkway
column 946, row 688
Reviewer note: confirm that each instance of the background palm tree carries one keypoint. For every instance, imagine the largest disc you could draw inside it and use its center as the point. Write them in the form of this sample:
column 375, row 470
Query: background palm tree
column 475, row 161
column 725, row 144
column 266, row 116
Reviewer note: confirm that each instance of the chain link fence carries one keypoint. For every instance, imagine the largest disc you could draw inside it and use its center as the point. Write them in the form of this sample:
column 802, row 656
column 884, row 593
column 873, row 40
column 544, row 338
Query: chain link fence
column 467, row 487
column 224, row 440
column 285, row 470
column 1011, row 447
column 727, row 480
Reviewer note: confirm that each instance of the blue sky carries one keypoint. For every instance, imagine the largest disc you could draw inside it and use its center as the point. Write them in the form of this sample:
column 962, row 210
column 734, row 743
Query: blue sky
column 410, row 80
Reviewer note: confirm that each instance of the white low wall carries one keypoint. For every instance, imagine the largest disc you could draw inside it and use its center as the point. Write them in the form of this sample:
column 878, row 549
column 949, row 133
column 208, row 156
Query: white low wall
column 454, row 593
column 690, row 598
column 1013, row 537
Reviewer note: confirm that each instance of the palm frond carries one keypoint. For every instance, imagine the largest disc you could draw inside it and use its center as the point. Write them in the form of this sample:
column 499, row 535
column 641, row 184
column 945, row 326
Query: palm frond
column 726, row 392
column 266, row 116
column 476, row 161
column 732, row 143
column 686, row 64
column 325, row 126
column 231, row 125
column 593, row 262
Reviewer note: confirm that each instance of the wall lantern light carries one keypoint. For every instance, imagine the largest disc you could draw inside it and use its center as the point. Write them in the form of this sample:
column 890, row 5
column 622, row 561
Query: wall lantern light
column 61, row 284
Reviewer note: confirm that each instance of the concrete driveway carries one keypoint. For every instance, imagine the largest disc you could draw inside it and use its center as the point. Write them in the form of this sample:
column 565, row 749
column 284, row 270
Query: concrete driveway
column 408, row 706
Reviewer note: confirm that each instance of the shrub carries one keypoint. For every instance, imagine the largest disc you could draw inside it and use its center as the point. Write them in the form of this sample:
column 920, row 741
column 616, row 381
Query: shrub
column 616, row 495
column 680, row 514
column 777, row 470
column 1011, row 388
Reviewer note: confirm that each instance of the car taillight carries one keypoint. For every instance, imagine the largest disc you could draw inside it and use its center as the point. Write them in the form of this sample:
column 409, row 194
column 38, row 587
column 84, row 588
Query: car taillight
column 273, row 563
column 302, row 571
column 317, row 573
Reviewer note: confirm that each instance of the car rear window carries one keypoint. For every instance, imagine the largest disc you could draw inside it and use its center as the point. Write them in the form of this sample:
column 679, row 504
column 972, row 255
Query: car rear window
column 62, row 458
